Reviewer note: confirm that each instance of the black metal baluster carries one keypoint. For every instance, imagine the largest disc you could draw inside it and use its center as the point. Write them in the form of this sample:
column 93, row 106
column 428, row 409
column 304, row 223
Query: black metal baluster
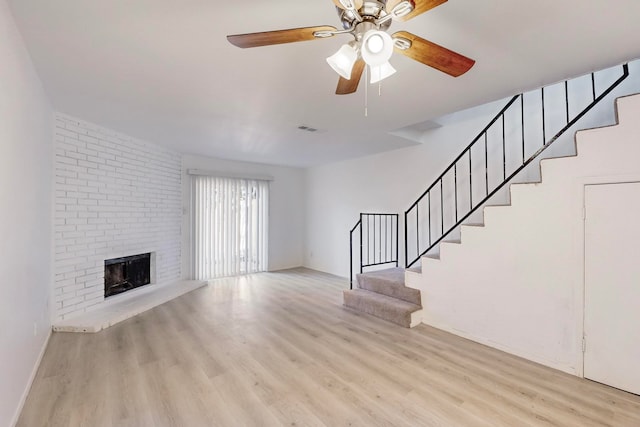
column 566, row 97
column 372, row 247
column 593, row 85
column 406, row 239
column 386, row 238
column 397, row 261
column 418, row 229
column 376, row 236
column 351, row 259
column 544, row 130
column 441, row 209
column 361, row 249
column 429, row 216
column 380, row 238
column 522, row 116
column 391, row 236
column 504, row 152
column 368, row 239
column 455, row 185
column 486, row 165
column 470, row 183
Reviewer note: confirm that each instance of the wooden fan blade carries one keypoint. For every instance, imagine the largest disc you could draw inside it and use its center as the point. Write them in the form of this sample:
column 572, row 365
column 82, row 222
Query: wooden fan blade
column 421, row 6
column 345, row 86
column 434, row 55
column 357, row 4
column 277, row 37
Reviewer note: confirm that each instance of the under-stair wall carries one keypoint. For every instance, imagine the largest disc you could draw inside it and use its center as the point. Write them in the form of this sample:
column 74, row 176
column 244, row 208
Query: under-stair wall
column 517, row 282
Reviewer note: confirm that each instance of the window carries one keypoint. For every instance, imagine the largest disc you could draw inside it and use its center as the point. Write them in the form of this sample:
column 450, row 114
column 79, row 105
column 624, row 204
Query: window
column 229, row 226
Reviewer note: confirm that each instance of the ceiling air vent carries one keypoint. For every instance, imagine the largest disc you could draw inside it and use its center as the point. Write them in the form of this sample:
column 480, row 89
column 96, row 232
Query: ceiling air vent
column 307, row 128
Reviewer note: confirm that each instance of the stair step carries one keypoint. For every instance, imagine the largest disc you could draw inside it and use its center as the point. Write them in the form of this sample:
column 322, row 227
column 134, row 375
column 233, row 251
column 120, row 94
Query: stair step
column 389, row 282
column 417, row 269
column 382, row 306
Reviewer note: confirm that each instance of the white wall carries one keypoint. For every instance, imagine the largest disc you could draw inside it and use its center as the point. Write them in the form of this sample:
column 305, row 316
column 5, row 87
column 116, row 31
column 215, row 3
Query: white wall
column 390, row 182
column 286, row 208
column 25, row 218
column 387, row 182
column 517, row 283
column 115, row 196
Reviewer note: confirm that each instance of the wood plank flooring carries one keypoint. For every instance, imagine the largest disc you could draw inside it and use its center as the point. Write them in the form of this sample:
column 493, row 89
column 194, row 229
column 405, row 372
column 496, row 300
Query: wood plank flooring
column 279, row 349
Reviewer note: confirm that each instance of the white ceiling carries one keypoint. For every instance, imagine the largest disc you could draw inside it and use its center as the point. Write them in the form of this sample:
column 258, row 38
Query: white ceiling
column 162, row 70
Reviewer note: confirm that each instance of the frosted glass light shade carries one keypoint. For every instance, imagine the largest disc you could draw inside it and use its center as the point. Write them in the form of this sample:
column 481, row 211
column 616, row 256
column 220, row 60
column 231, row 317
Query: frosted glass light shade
column 381, row 72
column 377, row 47
column 375, row 43
column 342, row 61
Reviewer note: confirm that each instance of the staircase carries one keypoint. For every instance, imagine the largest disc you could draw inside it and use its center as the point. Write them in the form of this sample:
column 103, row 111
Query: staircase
column 383, row 294
column 442, row 218
column 522, row 286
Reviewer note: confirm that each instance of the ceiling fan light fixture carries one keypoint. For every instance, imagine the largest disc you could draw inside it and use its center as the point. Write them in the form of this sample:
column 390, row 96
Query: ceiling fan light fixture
column 343, row 60
column 368, row 21
column 377, row 47
column 381, row 72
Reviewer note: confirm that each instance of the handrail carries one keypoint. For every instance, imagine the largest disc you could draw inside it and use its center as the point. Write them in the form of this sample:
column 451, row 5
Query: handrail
column 483, row 137
column 381, row 241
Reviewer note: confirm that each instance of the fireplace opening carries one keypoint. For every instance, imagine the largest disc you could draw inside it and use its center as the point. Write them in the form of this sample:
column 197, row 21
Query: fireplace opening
column 126, row 273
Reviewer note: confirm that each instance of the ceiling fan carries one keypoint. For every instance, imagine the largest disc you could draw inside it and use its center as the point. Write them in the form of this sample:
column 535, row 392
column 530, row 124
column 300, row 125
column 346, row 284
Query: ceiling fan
column 368, row 21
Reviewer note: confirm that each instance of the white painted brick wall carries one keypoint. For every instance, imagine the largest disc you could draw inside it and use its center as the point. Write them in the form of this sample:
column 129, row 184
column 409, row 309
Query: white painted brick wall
column 114, row 196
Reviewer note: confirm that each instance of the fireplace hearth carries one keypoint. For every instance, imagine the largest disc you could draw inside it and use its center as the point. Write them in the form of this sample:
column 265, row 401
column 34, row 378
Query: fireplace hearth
column 126, row 273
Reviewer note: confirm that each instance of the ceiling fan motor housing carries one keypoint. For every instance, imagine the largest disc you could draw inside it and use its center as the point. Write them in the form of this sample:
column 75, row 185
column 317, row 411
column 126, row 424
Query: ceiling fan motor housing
column 370, row 12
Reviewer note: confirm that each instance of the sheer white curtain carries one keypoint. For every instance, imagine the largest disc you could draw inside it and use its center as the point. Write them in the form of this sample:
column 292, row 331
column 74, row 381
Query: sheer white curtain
column 229, row 226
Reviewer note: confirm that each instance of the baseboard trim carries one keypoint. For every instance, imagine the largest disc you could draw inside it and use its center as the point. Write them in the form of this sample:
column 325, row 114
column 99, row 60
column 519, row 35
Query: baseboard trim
column 32, row 378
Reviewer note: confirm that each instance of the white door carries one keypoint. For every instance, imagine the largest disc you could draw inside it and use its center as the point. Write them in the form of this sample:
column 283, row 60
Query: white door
column 612, row 285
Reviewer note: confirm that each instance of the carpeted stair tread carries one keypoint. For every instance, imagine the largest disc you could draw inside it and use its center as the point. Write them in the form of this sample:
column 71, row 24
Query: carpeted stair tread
column 382, row 306
column 389, row 282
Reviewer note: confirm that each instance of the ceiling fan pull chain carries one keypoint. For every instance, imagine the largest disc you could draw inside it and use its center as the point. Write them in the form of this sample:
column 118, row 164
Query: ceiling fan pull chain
column 366, row 91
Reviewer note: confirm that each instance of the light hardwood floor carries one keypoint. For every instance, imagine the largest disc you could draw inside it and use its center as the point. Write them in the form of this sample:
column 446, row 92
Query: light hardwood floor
column 279, row 349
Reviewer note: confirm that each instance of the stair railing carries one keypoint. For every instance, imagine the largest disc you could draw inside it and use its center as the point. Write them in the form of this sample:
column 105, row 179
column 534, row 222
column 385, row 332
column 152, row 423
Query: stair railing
column 426, row 216
column 377, row 235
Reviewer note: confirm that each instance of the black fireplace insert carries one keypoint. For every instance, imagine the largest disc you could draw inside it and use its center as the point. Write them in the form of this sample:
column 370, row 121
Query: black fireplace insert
column 126, row 273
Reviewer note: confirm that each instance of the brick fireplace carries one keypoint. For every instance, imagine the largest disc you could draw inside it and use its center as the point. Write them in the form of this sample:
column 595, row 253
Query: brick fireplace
column 116, row 196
